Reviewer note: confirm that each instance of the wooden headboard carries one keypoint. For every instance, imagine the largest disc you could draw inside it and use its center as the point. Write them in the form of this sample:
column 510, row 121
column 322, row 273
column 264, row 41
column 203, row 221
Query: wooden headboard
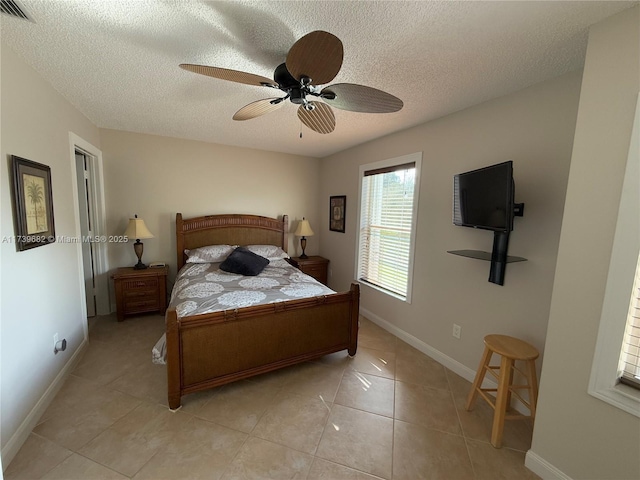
column 229, row 229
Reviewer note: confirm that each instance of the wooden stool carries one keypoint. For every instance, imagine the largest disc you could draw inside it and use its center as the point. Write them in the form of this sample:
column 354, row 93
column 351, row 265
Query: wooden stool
column 511, row 349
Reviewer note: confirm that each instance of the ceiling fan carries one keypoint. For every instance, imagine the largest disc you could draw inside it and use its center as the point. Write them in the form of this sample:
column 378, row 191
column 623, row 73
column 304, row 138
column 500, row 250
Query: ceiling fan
column 313, row 60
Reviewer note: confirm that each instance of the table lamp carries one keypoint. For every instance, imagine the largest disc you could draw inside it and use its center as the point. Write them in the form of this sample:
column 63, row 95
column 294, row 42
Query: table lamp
column 137, row 229
column 303, row 230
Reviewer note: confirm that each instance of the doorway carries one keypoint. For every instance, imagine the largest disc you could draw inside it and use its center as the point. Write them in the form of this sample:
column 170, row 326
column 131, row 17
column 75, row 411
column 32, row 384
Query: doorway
column 84, row 172
column 90, row 216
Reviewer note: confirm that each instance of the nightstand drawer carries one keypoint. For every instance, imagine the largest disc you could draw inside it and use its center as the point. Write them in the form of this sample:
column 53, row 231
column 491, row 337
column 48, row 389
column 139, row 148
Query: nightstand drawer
column 141, row 284
column 141, row 305
column 140, row 294
column 314, row 270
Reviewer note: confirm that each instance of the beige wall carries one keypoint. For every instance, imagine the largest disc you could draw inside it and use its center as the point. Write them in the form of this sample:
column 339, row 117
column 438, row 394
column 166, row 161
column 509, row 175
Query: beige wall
column 534, row 128
column 156, row 177
column 577, row 433
column 41, row 291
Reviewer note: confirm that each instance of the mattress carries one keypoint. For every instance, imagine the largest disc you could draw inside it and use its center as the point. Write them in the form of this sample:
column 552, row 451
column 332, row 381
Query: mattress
column 203, row 288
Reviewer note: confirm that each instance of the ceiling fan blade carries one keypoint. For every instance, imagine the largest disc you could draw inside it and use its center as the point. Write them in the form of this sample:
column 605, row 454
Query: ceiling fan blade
column 261, row 107
column 358, row 98
column 317, row 55
column 230, row 75
column 320, row 119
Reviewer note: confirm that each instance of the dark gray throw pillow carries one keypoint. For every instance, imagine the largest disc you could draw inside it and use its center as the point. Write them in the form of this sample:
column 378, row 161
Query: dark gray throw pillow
column 244, row 262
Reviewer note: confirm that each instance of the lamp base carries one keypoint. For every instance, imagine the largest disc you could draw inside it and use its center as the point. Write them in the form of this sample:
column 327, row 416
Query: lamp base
column 303, row 256
column 303, row 244
column 138, row 247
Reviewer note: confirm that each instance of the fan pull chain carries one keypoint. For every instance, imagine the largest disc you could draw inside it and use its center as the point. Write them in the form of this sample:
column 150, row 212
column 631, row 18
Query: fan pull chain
column 300, row 129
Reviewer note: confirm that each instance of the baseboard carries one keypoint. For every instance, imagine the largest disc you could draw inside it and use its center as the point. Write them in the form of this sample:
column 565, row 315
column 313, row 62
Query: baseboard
column 24, row 430
column 452, row 364
column 542, row 468
column 447, row 361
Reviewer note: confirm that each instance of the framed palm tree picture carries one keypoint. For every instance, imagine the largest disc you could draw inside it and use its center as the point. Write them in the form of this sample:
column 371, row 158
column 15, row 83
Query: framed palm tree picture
column 32, row 204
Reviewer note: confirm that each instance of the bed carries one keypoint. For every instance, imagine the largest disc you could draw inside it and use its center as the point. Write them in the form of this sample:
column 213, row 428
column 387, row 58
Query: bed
column 206, row 350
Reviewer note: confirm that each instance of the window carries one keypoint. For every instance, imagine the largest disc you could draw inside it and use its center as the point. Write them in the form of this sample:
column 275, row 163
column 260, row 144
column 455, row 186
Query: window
column 388, row 205
column 615, row 320
column 630, row 355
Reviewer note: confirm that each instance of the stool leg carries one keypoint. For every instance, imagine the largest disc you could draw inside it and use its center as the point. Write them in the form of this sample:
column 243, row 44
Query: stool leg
column 506, row 364
column 509, row 390
column 533, row 387
column 477, row 382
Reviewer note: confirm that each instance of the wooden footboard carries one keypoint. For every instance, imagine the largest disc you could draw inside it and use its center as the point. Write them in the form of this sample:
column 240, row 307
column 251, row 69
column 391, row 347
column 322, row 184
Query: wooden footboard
column 205, row 351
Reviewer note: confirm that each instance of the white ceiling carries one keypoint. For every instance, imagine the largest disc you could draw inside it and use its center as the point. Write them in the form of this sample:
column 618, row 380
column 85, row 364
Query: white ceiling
column 117, row 60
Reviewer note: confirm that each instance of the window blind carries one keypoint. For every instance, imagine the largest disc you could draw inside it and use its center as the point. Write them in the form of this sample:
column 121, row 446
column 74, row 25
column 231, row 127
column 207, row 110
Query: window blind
column 385, row 227
column 630, row 355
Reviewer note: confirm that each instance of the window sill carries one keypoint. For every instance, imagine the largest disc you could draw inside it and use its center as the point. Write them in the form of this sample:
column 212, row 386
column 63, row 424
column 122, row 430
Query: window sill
column 621, row 396
column 385, row 291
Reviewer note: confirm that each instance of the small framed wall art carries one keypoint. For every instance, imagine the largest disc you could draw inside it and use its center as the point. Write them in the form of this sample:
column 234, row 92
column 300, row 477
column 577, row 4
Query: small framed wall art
column 337, row 209
column 32, row 204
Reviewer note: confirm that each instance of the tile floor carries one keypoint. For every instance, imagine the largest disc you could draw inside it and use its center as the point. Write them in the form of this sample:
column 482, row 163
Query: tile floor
column 391, row 413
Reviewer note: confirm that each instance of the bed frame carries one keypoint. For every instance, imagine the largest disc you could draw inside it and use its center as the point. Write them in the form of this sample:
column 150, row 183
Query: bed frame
column 204, row 351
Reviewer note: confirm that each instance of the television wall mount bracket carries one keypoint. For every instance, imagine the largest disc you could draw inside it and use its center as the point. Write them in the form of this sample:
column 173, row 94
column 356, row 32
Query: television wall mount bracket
column 518, row 209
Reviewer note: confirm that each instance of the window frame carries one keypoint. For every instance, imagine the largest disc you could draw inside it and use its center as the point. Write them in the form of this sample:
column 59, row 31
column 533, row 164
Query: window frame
column 391, row 162
column 603, row 382
column 629, row 365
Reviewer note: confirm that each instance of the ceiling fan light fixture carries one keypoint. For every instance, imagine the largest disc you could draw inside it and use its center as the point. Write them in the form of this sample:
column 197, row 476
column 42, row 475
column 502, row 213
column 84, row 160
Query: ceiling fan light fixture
column 317, row 116
column 297, row 96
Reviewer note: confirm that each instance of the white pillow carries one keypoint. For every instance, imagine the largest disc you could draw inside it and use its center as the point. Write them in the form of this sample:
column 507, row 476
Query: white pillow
column 270, row 252
column 209, row 254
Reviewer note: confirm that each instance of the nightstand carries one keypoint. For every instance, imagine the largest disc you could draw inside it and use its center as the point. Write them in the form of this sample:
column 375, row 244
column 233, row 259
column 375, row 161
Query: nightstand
column 140, row 291
column 315, row 266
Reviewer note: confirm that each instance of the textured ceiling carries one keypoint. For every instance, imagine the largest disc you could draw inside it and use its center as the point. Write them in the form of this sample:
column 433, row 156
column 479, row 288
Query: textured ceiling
column 117, row 60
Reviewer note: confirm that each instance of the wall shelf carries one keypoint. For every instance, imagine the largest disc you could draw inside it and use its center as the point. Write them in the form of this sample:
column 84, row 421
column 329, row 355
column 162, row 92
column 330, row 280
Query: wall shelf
column 480, row 255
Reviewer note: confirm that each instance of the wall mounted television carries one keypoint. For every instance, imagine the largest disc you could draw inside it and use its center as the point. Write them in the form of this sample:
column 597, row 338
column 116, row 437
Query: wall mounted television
column 484, row 198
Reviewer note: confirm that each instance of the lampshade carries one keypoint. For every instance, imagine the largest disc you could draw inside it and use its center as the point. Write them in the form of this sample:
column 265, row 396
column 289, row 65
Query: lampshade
column 137, row 229
column 304, row 229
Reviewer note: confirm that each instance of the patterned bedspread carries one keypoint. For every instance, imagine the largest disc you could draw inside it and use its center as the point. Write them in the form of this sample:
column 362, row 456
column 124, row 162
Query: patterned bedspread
column 204, row 288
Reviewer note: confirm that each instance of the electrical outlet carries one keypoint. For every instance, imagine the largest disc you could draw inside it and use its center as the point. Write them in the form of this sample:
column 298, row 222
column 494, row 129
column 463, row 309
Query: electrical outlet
column 457, row 330
column 55, row 340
